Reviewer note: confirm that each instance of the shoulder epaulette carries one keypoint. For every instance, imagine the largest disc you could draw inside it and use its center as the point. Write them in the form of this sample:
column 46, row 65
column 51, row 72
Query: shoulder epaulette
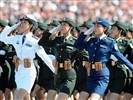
column 35, row 37
column 111, row 38
column 18, row 34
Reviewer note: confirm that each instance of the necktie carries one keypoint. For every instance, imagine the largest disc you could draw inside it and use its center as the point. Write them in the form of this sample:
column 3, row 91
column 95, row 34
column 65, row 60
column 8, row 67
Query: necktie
column 97, row 40
column 23, row 39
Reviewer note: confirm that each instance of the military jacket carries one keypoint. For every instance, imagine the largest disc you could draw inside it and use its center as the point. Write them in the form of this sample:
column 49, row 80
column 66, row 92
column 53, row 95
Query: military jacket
column 100, row 50
column 63, row 50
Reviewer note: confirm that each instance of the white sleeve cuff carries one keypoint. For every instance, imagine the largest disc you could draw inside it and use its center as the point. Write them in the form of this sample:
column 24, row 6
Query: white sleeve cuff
column 90, row 31
column 55, row 29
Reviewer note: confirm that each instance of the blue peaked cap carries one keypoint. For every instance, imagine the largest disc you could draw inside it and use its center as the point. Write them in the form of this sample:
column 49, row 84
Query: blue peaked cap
column 103, row 22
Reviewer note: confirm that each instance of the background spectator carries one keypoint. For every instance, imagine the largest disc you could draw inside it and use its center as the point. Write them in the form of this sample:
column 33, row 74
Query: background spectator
column 80, row 10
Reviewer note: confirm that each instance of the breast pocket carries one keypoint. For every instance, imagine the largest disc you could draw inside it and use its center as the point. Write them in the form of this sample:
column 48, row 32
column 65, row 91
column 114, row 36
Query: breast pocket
column 103, row 49
column 28, row 45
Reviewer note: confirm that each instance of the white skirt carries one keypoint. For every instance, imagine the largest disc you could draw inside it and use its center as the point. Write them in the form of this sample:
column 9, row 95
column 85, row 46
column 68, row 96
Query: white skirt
column 25, row 77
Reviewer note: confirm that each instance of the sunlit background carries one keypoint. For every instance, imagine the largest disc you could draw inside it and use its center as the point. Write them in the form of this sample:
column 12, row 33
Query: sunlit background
column 80, row 10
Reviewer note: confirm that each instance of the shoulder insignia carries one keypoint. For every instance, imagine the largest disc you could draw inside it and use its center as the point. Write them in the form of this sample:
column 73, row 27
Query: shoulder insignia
column 18, row 34
column 110, row 38
column 35, row 37
column 29, row 45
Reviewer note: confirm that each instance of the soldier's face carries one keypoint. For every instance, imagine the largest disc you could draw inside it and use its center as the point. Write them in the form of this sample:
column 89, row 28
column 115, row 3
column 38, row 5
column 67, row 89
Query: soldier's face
column 129, row 35
column 65, row 28
column 38, row 32
column 24, row 26
column 114, row 32
column 99, row 30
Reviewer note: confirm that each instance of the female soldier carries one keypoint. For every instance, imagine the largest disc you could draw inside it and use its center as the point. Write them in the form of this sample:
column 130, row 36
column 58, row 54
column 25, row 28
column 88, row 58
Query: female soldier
column 26, row 46
column 3, row 66
column 128, row 90
column 63, row 50
column 79, row 66
column 45, row 77
column 99, row 48
column 118, row 71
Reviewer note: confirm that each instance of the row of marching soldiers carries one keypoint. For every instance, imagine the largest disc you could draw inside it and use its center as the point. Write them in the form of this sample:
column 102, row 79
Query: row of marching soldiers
column 92, row 61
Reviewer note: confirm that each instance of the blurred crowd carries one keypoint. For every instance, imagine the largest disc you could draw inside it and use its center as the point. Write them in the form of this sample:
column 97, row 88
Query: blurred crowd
column 80, row 10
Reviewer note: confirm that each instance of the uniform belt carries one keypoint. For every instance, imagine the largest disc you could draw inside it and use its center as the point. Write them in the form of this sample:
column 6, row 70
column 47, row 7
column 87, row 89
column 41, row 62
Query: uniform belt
column 93, row 65
column 66, row 65
column 26, row 62
column 97, row 66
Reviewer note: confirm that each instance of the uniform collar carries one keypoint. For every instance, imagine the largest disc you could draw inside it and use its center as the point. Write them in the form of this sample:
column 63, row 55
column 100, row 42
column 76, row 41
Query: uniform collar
column 28, row 34
column 68, row 37
column 118, row 38
column 101, row 37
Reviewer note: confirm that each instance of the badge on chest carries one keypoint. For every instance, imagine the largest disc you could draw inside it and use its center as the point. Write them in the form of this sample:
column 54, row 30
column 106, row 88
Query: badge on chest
column 103, row 46
column 28, row 45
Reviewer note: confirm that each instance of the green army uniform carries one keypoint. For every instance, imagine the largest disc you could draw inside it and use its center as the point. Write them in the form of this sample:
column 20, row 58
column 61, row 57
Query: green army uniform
column 45, row 76
column 9, row 56
column 80, row 57
column 5, row 67
column 129, row 53
column 81, row 81
column 63, row 50
column 118, row 71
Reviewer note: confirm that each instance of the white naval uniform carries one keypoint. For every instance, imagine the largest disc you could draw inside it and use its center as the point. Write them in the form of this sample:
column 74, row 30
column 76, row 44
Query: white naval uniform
column 25, row 77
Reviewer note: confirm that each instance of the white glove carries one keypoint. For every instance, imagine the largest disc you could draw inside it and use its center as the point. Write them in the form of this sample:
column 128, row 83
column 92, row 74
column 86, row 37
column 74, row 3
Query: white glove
column 55, row 29
column 15, row 25
column 89, row 31
column 2, row 52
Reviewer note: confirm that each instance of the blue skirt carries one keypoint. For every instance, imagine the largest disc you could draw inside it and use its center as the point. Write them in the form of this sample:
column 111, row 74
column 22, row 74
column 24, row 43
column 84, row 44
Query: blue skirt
column 98, row 82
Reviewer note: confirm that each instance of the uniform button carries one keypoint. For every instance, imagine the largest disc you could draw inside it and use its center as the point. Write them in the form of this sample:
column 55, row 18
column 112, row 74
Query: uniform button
column 95, row 48
column 93, row 55
column 61, row 49
column 50, row 51
column 60, row 56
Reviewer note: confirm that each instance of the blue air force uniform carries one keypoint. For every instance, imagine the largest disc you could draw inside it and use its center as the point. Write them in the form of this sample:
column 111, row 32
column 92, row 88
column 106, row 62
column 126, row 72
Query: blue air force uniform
column 99, row 50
